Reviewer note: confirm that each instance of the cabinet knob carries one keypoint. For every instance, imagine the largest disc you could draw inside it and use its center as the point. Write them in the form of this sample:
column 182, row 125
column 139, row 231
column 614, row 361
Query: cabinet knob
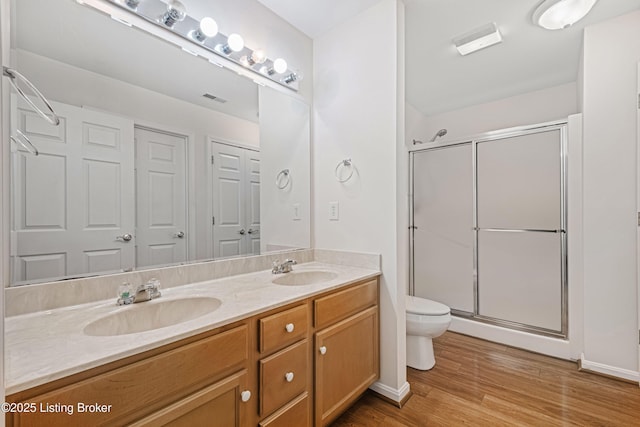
column 289, row 376
column 323, row 350
column 289, row 327
column 245, row 395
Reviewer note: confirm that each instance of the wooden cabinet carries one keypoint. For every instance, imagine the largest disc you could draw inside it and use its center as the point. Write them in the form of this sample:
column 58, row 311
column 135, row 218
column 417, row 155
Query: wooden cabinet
column 301, row 365
column 126, row 391
column 347, row 352
column 219, row 405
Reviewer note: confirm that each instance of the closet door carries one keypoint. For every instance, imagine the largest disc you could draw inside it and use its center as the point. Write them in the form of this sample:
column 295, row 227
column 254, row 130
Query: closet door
column 236, row 201
column 521, row 229
column 161, row 198
column 443, row 217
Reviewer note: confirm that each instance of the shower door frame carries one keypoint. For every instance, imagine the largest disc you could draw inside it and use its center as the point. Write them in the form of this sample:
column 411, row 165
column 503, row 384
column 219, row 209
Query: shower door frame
column 559, row 125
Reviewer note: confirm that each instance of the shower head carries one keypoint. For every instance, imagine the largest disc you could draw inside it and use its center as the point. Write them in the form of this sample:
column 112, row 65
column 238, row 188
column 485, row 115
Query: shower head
column 441, row 132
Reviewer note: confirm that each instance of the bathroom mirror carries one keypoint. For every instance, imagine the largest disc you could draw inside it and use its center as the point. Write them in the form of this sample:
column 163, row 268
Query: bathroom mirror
column 160, row 157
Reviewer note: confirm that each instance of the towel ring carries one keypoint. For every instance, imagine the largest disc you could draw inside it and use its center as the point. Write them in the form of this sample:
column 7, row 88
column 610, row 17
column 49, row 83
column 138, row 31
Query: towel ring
column 22, row 137
column 13, row 74
column 287, row 178
column 344, row 163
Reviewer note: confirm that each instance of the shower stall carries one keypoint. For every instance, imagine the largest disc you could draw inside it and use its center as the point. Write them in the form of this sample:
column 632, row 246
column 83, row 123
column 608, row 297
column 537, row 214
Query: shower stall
column 488, row 227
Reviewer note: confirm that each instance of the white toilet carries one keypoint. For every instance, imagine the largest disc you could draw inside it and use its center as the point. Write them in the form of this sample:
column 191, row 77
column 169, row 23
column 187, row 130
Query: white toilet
column 426, row 320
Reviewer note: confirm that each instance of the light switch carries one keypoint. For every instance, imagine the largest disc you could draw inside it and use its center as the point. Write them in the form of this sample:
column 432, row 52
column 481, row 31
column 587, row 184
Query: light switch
column 334, row 211
column 296, row 211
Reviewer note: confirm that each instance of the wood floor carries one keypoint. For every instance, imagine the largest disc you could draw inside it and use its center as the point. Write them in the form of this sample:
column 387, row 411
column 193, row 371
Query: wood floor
column 479, row 383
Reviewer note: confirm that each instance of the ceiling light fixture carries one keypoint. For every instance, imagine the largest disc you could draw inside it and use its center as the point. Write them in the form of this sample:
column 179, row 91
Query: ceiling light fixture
column 176, row 12
column 208, row 28
column 560, row 14
column 477, row 39
column 295, row 76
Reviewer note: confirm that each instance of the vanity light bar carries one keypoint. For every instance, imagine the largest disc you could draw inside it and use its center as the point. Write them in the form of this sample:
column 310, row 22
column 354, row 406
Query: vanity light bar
column 155, row 11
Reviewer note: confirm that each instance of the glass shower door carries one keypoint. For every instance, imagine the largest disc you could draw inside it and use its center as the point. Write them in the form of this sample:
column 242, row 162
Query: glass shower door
column 520, row 230
column 443, row 224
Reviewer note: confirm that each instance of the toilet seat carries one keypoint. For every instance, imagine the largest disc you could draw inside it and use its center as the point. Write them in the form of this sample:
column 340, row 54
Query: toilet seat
column 425, row 307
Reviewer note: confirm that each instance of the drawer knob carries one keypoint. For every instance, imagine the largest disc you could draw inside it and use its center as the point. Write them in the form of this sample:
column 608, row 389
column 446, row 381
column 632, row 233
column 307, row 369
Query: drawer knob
column 323, row 350
column 289, row 327
column 289, row 376
column 245, row 395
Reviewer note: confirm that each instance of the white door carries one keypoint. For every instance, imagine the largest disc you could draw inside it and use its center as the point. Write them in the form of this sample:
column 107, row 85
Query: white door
column 252, row 167
column 84, row 178
column 161, row 200
column 236, row 200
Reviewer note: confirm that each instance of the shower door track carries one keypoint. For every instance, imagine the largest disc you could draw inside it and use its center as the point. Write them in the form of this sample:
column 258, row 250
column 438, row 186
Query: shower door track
column 474, row 141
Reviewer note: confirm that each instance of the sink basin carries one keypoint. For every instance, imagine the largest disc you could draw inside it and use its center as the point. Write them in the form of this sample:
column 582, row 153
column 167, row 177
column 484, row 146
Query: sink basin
column 302, row 278
column 151, row 315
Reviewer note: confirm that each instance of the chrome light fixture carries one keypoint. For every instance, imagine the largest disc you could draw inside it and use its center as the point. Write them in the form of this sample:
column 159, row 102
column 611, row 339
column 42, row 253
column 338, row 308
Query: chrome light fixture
column 560, row 14
column 176, row 12
column 477, row 39
column 205, row 33
column 208, row 28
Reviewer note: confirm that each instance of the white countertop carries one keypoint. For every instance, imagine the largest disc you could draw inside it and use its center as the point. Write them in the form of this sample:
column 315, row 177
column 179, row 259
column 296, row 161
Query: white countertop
column 44, row 346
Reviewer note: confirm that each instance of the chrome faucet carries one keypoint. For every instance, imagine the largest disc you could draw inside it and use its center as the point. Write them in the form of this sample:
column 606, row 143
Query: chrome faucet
column 285, row 267
column 147, row 291
column 143, row 293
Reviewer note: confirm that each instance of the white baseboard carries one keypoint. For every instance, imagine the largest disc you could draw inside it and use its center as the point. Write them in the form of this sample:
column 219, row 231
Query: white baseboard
column 396, row 395
column 610, row 371
column 537, row 343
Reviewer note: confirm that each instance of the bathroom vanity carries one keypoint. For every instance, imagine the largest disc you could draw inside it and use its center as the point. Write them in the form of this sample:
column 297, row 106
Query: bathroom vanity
column 284, row 355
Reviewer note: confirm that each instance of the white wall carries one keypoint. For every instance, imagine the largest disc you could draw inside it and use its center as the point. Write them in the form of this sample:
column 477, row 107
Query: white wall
column 284, row 144
column 540, row 106
column 75, row 86
column 357, row 114
column 611, row 53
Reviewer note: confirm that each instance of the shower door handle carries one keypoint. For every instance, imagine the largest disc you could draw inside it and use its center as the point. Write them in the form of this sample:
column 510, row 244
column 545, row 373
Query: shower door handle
column 519, row 230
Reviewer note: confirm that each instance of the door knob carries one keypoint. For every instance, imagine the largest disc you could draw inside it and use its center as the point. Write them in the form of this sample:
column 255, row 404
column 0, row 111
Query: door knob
column 179, row 234
column 125, row 237
column 241, row 231
column 252, row 231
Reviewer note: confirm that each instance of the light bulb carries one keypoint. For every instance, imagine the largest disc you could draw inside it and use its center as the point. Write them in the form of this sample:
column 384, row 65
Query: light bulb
column 280, row 65
column 295, row 76
column 208, row 28
column 258, row 56
column 176, row 12
column 235, row 42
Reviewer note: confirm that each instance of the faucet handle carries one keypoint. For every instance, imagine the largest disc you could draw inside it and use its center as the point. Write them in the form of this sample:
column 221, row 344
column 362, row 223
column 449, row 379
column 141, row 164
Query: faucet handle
column 291, row 261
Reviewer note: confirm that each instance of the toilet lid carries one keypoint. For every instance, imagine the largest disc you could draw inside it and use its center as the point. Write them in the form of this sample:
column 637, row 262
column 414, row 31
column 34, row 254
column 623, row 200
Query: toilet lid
column 416, row 305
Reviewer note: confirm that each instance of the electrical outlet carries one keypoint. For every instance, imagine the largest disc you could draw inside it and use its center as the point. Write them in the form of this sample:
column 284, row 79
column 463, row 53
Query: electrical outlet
column 334, row 211
column 296, row 211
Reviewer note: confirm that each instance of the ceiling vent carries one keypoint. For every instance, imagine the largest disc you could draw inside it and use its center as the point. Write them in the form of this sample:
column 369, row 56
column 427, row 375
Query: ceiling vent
column 215, row 98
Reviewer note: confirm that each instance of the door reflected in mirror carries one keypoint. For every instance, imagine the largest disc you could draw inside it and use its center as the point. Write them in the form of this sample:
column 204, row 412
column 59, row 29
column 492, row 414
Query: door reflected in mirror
column 160, row 157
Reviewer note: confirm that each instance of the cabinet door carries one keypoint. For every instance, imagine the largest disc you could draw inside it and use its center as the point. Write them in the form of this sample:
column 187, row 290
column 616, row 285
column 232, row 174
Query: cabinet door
column 347, row 363
column 219, row 405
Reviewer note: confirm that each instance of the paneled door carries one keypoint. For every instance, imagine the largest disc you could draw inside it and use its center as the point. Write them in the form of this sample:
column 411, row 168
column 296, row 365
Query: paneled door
column 236, row 200
column 161, row 200
column 73, row 207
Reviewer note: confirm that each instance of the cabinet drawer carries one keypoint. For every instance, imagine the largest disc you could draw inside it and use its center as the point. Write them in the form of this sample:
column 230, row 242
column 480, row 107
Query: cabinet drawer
column 139, row 388
column 274, row 329
column 339, row 305
column 275, row 388
column 295, row 413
